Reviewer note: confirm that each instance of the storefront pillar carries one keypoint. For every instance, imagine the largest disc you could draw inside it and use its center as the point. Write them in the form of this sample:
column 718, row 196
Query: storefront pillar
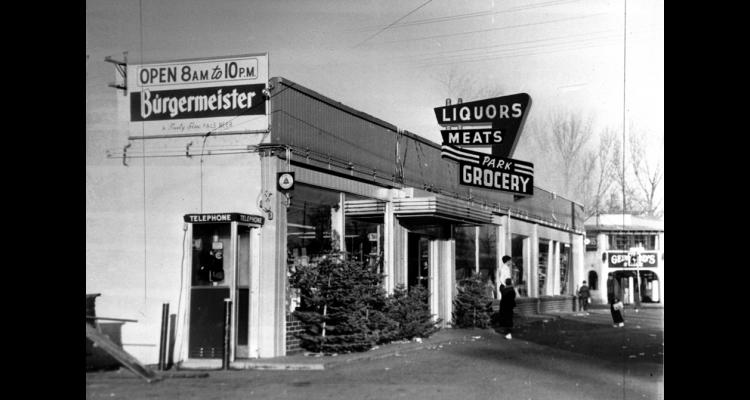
column 531, row 261
column 503, row 247
column 338, row 225
column 442, row 276
column 549, row 283
column 555, row 275
column 577, row 263
column 389, row 256
column 272, row 271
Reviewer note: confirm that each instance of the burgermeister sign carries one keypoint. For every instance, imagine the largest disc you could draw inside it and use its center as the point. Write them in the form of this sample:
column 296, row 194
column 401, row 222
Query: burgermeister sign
column 198, row 96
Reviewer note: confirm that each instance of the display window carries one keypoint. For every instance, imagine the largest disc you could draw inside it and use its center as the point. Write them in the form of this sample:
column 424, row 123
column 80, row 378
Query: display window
column 517, row 258
column 488, row 251
column 309, row 224
column 465, row 237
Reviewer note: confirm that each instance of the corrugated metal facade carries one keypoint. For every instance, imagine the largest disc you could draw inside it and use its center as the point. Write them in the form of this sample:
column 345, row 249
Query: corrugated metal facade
column 327, row 134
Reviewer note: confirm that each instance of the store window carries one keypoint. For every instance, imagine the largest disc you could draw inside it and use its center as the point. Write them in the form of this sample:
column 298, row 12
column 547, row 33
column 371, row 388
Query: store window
column 564, row 267
column 488, row 251
column 364, row 240
column 309, row 224
column 626, row 241
column 542, row 266
column 516, row 254
column 465, row 251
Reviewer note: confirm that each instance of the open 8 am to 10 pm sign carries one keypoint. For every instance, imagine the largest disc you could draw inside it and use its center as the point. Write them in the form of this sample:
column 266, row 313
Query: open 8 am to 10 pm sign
column 198, row 96
column 497, row 123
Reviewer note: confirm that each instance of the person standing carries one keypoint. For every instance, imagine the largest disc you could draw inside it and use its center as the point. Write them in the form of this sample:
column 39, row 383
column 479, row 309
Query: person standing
column 614, row 296
column 583, row 298
column 507, row 303
column 504, row 272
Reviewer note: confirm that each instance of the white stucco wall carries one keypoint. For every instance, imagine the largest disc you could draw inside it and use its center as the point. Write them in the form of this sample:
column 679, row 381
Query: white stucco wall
column 134, row 225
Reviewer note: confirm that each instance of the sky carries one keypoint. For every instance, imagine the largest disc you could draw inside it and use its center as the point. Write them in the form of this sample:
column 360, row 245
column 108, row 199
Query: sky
column 389, row 58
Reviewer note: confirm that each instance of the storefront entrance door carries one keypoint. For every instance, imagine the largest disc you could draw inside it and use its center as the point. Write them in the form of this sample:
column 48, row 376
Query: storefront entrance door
column 419, row 260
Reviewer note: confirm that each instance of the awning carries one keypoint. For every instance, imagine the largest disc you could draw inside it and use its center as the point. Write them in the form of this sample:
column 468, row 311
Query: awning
column 364, row 209
column 439, row 208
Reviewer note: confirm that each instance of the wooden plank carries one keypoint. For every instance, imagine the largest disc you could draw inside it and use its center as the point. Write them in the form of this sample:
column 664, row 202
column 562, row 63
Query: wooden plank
column 120, row 355
column 111, row 319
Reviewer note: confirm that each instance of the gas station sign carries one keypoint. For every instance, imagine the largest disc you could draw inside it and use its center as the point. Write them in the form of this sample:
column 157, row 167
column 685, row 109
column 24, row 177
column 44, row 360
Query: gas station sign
column 647, row 259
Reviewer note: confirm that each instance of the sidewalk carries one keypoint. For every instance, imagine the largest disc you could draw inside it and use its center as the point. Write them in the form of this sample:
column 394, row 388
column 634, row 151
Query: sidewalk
column 301, row 361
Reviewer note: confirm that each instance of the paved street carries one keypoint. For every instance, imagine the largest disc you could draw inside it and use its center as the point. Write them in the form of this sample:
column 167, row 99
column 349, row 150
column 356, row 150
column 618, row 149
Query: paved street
column 562, row 357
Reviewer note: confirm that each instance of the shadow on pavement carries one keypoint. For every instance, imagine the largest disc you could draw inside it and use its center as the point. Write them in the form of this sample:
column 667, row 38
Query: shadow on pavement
column 599, row 340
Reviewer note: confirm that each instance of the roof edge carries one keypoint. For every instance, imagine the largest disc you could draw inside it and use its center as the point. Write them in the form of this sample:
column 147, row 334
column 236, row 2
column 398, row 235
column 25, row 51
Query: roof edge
column 333, row 103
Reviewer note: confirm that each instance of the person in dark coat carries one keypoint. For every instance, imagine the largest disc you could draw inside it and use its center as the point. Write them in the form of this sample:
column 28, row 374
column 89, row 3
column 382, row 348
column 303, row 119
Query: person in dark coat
column 583, row 297
column 507, row 303
column 614, row 294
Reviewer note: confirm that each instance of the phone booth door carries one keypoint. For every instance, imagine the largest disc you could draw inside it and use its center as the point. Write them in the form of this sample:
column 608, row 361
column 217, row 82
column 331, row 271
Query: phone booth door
column 220, row 268
column 210, row 285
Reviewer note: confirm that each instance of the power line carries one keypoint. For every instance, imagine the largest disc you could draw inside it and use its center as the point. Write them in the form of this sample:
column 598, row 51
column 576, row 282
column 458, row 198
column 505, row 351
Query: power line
column 539, row 46
column 516, row 55
column 493, row 29
column 449, row 18
column 443, row 52
column 380, row 31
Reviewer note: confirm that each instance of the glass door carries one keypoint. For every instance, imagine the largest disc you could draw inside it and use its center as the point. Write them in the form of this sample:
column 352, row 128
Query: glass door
column 211, row 278
column 242, row 294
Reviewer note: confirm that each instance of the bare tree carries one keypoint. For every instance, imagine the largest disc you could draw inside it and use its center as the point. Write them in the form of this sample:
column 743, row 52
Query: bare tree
column 458, row 83
column 648, row 176
column 597, row 174
column 570, row 132
column 623, row 185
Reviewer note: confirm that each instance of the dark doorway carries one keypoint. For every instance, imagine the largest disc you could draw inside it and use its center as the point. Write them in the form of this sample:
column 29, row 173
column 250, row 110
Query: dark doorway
column 419, row 260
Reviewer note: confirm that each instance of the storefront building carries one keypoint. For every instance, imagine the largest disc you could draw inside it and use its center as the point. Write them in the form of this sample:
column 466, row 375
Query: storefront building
column 610, row 242
column 383, row 195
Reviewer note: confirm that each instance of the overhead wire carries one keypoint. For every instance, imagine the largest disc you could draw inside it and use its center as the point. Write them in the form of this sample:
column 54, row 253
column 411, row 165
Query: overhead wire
column 450, row 18
column 518, row 55
column 514, row 49
column 554, row 38
column 493, row 29
column 382, row 30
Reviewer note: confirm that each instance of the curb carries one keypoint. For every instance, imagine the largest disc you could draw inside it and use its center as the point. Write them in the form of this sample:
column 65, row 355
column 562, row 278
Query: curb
column 407, row 350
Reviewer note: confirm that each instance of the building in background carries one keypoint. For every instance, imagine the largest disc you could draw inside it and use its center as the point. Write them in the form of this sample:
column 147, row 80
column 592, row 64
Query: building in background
column 220, row 227
column 610, row 241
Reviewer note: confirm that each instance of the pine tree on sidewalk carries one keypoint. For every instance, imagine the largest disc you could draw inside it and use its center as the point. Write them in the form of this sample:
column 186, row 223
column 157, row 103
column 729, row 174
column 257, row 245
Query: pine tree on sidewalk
column 470, row 304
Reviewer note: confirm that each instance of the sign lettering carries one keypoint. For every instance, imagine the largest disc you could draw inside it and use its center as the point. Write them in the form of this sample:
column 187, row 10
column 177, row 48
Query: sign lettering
column 223, row 217
column 623, row 260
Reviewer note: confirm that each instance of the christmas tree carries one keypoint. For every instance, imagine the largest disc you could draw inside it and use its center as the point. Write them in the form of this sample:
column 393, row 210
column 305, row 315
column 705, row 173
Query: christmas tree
column 342, row 306
column 411, row 311
column 470, row 307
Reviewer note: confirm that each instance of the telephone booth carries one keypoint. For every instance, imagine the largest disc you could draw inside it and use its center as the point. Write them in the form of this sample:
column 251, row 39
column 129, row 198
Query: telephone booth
column 222, row 263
